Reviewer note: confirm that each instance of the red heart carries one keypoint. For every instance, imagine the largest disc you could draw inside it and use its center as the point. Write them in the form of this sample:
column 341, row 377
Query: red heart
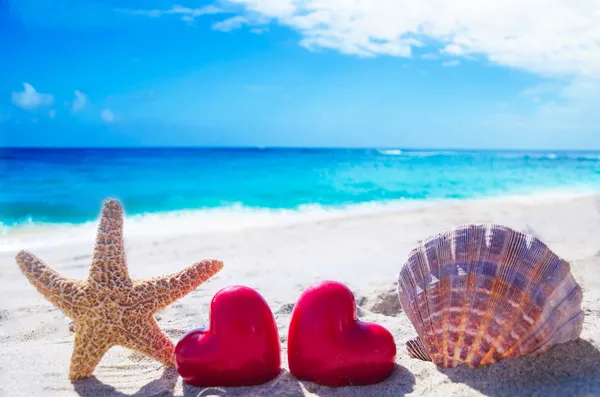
column 240, row 348
column 329, row 345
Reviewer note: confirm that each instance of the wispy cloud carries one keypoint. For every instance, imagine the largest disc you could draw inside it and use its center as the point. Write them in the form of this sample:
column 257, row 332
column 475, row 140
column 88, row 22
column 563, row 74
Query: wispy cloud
column 186, row 14
column 541, row 90
column 561, row 43
column 259, row 30
column 230, row 24
column 562, row 39
column 52, row 113
column 80, row 101
column 450, row 64
column 107, row 116
column 257, row 23
column 30, row 99
column 566, row 107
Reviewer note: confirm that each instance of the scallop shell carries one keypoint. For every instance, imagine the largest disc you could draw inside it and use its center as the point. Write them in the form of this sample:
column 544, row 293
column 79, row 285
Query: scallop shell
column 479, row 293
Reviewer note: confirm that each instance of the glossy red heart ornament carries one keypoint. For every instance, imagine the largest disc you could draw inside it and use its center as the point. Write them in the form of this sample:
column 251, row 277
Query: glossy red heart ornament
column 329, row 345
column 240, row 347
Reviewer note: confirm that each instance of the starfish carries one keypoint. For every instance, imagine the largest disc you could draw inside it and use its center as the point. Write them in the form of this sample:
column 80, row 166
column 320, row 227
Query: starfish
column 109, row 308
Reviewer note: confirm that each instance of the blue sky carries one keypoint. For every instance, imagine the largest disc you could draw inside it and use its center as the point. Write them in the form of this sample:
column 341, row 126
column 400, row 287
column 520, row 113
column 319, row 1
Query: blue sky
column 436, row 73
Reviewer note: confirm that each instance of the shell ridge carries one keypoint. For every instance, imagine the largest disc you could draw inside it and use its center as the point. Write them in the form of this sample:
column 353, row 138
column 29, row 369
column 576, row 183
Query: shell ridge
column 572, row 327
column 516, row 246
column 442, row 245
column 527, row 301
column 404, row 287
column 426, row 331
column 429, row 296
column 479, row 293
column 409, row 296
column 459, row 250
column 487, row 282
column 552, row 285
column 416, row 349
column 462, row 290
column 489, row 330
column 473, row 244
column 540, row 309
column 477, row 267
column 567, row 299
column 520, row 287
column 497, row 247
column 568, row 331
column 433, row 342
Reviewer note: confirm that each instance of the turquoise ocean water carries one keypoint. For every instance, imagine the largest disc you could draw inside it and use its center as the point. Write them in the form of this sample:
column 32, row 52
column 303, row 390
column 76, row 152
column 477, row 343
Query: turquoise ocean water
column 68, row 185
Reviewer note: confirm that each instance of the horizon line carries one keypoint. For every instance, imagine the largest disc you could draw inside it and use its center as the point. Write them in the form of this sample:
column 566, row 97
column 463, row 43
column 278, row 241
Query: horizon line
column 275, row 147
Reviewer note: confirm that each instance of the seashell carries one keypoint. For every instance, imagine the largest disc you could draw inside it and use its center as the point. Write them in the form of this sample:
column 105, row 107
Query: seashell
column 480, row 293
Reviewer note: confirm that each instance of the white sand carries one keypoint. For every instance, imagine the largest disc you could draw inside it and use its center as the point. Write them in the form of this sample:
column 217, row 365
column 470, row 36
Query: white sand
column 362, row 250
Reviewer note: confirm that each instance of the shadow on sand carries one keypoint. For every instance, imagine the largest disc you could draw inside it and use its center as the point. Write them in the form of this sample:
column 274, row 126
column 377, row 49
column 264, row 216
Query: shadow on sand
column 163, row 386
column 571, row 369
column 399, row 383
column 278, row 386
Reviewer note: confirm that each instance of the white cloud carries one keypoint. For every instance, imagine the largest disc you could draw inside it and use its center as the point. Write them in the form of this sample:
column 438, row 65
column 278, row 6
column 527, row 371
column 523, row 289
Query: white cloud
column 186, row 14
column 558, row 40
column 256, row 23
column 80, row 101
column 52, row 113
column 107, row 116
column 548, row 37
column 450, row 64
column 29, row 98
column 454, row 49
column 230, row 24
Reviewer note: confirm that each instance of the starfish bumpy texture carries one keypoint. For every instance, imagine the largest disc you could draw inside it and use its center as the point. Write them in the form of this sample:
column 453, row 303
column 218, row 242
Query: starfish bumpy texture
column 109, row 308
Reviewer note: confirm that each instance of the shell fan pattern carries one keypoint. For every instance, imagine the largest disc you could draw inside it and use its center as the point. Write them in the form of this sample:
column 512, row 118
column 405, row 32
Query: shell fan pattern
column 480, row 293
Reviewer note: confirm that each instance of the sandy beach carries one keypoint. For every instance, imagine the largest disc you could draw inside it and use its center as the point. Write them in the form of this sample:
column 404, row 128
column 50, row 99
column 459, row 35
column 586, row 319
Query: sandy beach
column 362, row 250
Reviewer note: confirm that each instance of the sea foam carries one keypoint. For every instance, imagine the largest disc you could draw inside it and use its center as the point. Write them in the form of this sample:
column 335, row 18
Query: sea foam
column 238, row 217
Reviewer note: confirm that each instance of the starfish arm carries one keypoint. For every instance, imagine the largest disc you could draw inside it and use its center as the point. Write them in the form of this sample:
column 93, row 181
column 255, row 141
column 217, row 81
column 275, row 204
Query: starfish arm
column 159, row 292
column 65, row 293
column 109, row 265
column 92, row 341
column 145, row 336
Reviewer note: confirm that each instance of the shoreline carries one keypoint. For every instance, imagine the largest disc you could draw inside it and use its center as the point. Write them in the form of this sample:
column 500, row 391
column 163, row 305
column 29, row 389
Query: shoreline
column 238, row 217
column 364, row 252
